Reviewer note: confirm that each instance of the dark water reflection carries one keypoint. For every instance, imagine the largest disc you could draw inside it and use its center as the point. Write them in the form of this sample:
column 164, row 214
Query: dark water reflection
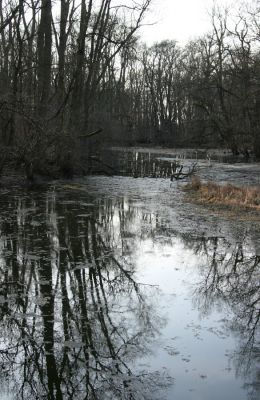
column 137, row 164
column 76, row 323
column 73, row 317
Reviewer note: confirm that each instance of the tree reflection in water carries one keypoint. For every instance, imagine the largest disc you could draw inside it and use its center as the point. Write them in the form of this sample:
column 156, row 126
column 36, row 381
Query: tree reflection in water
column 74, row 321
column 231, row 278
column 73, row 318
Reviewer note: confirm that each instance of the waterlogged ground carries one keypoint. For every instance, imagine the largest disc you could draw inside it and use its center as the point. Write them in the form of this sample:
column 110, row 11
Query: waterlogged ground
column 118, row 288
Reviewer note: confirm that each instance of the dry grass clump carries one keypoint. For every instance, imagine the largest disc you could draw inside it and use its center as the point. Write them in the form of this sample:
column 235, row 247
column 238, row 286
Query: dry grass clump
column 230, row 195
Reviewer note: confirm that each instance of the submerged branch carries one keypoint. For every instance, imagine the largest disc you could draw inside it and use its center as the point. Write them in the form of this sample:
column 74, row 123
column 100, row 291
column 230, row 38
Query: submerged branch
column 88, row 135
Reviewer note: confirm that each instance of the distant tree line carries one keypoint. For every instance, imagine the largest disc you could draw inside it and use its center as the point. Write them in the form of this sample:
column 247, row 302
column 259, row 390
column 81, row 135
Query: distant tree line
column 206, row 93
column 70, row 69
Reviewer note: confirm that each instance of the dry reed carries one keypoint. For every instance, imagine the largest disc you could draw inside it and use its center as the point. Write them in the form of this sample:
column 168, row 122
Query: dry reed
column 227, row 194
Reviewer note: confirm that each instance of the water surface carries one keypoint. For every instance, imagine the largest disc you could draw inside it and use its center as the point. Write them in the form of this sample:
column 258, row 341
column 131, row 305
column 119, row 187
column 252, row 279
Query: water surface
column 117, row 288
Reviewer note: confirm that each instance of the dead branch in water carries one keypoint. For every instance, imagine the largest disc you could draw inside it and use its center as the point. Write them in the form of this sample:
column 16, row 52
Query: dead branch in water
column 88, row 135
column 183, row 175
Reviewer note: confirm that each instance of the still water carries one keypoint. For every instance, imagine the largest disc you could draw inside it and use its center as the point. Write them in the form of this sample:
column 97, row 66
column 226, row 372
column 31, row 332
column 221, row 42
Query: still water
column 117, row 288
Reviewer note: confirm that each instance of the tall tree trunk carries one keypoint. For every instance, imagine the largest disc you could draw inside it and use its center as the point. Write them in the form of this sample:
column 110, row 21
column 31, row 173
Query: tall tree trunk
column 44, row 57
column 64, row 12
column 76, row 107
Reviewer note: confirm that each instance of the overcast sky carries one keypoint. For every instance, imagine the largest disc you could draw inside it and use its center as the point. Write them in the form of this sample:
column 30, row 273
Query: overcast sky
column 178, row 19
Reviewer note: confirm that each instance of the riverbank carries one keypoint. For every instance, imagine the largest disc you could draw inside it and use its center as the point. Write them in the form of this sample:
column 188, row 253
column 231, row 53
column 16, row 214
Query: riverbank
column 237, row 201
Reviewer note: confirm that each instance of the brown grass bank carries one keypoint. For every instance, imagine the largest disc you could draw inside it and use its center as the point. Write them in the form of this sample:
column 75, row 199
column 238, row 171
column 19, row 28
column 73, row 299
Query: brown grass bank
column 231, row 196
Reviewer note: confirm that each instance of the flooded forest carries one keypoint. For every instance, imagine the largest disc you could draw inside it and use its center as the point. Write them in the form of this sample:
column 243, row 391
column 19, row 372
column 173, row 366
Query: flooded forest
column 129, row 205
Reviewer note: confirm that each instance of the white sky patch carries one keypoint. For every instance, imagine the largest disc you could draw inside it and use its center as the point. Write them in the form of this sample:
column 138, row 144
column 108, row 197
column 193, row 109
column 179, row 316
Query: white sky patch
column 180, row 20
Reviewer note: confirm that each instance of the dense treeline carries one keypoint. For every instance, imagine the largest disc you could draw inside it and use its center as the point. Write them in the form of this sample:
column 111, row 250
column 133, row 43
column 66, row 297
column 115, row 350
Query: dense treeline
column 71, row 68
column 56, row 59
column 207, row 92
